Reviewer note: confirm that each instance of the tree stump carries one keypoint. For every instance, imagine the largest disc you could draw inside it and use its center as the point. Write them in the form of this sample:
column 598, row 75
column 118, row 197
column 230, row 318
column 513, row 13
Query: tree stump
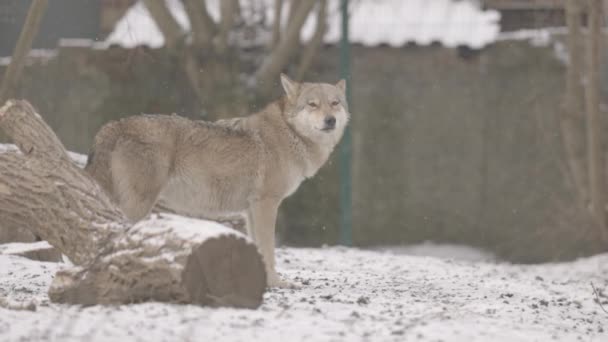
column 162, row 258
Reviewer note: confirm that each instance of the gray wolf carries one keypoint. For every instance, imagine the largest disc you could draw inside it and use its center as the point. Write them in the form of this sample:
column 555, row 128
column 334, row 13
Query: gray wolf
column 242, row 166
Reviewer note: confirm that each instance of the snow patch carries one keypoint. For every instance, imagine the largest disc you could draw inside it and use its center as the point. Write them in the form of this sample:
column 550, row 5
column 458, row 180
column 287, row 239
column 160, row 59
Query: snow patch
column 346, row 295
column 23, row 247
column 443, row 251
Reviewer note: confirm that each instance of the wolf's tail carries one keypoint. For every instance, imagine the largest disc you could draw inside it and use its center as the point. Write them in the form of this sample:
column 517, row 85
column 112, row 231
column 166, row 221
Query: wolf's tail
column 99, row 158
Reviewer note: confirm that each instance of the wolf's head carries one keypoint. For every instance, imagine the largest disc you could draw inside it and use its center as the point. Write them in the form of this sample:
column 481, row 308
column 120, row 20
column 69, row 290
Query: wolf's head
column 317, row 111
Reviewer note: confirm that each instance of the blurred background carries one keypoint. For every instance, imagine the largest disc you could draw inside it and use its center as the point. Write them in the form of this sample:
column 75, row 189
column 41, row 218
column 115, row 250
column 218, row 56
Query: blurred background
column 474, row 122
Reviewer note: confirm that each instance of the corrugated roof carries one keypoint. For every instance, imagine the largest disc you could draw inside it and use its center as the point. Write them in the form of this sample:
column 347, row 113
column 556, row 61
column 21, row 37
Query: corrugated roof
column 372, row 22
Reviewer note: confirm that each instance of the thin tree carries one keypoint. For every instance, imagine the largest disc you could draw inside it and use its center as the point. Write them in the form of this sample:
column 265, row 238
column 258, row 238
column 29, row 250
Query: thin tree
column 24, row 45
column 572, row 117
column 594, row 153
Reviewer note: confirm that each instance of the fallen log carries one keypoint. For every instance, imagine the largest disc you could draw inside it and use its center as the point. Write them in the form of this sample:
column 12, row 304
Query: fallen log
column 162, row 258
column 23, row 235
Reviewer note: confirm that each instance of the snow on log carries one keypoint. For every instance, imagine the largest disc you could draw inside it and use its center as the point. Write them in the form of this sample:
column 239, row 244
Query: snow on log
column 163, row 258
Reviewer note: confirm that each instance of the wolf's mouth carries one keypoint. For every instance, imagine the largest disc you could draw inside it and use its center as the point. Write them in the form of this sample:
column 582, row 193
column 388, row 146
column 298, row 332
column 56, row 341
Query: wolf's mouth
column 327, row 129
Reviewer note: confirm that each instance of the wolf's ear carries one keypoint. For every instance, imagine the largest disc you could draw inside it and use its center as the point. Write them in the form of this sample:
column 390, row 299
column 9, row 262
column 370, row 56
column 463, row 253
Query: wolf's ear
column 291, row 87
column 341, row 85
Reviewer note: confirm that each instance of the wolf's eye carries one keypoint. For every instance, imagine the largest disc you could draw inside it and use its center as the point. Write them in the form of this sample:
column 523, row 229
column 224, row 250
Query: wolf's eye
column 312, row 104
column 335, row 103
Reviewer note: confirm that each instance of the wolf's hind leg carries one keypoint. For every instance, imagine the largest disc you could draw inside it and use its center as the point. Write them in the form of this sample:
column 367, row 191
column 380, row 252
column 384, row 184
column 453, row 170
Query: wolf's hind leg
column 139, row 175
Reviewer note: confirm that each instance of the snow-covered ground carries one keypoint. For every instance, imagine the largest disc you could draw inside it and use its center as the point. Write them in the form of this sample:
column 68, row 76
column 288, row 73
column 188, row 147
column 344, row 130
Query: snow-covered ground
column 346, row 295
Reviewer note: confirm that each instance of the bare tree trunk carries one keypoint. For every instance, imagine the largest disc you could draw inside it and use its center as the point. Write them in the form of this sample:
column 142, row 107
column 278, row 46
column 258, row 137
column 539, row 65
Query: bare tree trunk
column 24, row 44
column 594, row 140
column 572, row 119
column 166, row 22
column 271, row 68
column 315, row 42
column 227, row 10
column 276, row 25
column 293, row 9
column 202, row 26
column 155, row 259
column 193, row 71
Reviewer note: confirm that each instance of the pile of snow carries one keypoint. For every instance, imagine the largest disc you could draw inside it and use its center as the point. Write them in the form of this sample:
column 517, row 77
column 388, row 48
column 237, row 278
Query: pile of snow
column 372, row 22
column 441, row 250
column 346, row 295
column 14, row 248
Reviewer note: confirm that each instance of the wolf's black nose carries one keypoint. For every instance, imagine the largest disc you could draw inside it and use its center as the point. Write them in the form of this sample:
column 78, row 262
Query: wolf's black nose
column 330, row 122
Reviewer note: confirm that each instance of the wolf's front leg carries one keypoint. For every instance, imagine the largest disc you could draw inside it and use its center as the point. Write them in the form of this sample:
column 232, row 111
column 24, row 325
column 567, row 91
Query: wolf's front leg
column 262, row 219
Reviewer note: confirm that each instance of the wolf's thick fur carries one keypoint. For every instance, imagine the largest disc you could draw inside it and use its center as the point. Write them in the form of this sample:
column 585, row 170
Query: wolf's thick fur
column 214, row 170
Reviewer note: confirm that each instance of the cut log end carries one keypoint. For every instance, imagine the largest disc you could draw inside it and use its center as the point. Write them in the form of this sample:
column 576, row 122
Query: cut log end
column 225, row 271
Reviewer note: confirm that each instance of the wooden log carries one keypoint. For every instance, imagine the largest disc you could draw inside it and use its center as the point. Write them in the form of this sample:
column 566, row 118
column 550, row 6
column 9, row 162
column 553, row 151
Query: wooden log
column 23, row 235
column 168, row 258
column 163, row 258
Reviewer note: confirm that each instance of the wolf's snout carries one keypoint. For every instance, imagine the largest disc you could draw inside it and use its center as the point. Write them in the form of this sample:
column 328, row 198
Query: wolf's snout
column 330, row 122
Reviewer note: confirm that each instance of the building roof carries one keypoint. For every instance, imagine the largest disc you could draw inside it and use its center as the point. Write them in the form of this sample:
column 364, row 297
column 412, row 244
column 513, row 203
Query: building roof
column 524, row 5
column 372, row 22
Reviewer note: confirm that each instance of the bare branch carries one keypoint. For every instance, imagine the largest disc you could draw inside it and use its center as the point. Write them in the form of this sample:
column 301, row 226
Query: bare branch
column 165, row 21
column 315, row 42
column 280, row 55
column 276, row 28
column 202, row 26
column 24, row 44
